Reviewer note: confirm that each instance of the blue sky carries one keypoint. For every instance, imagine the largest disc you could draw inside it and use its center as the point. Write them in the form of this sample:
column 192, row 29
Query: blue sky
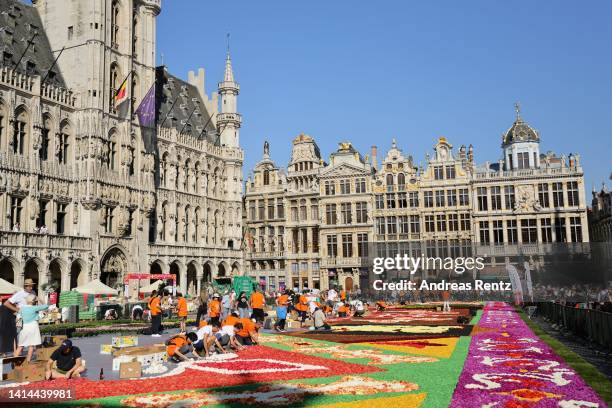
column 369, row 71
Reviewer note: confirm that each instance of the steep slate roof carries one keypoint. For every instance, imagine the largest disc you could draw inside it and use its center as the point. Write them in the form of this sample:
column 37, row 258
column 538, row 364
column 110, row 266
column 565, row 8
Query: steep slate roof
column 186, row 99
column 18, row 23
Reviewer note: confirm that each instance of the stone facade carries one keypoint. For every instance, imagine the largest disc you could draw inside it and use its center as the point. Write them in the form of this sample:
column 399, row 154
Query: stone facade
column 112, row 196
column 600, row 220
column 518, row 207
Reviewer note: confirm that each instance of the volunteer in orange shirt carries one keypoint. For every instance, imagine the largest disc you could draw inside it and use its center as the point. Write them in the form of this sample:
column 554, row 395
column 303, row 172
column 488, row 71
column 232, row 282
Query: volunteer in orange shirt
column 155, row 310
column 343, row 310
column 231, row 320
column 246, row 332
column 302, row 308
column 281, row 311
column 181, row 311
column 257, row 304
column 179, row 346
column 343, row 295
column 214, row 309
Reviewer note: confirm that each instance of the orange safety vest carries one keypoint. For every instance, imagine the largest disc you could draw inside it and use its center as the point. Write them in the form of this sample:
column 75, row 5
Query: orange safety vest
column 214, row 308
column 154, row 306
column 182, row 307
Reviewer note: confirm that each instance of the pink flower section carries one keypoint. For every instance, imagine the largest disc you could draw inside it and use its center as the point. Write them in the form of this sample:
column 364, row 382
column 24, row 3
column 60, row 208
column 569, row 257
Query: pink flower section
column 508, row 366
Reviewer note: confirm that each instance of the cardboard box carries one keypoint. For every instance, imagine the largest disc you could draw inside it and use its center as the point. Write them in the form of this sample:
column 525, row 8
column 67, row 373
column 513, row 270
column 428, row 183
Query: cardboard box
column 141, row 350
column 124, row 341
column 130, row 370
column 57, row 340
column 106, row 349
column 28, row 372
column 44, row 354
column 117, row 361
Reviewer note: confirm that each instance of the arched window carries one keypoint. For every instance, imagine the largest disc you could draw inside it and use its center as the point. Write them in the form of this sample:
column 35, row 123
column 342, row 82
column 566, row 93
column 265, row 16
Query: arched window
column 115, row 24
column 187, row 178
column 111, row 154
column 20, row 131
column 115, row 77
column 401, row 179
column 135, row 92
column 389, row 179
column 196, row 223
column 2, row 124
column 43, row 152
column 187, row 221
column 266, row 177
column 63, row 143
column 163, row 171
column 136, row 38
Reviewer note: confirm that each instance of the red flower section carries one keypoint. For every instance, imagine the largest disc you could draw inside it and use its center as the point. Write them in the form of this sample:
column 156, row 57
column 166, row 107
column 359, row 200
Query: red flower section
column 194, row 379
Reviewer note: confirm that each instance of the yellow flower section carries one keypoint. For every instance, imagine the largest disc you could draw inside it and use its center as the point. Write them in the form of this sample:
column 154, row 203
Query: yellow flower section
column 404, row 401
column 441, row 347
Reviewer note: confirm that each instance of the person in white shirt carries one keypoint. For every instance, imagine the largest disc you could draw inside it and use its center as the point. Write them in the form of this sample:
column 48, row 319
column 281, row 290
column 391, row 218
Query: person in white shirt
column 359, row 308
column 332, row 297
column 206, row 339
column 8, row 324
column 227, row 337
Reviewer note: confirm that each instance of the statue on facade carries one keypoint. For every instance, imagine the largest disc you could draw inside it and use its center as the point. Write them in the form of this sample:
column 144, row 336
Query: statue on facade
column 266, row 148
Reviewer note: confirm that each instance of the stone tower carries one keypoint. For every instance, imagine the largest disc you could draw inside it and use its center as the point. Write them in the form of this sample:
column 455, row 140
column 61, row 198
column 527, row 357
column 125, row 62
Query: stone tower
column 229, row 120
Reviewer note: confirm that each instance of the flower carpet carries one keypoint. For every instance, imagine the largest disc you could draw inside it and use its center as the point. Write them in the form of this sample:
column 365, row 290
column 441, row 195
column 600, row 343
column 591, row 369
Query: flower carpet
column 509, row 367
column 494, row 362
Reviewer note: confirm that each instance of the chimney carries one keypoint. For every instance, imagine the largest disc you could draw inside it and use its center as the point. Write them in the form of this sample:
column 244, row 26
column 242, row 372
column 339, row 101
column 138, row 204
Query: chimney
column 374, row 151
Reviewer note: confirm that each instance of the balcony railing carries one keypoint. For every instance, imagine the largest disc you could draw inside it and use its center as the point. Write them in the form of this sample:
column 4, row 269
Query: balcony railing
column 43, row 241
column 342, row 262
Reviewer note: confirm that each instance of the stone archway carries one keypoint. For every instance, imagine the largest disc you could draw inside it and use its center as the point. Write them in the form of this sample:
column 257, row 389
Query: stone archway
column 7, row 270
column 207, row 273
column 236, row 270
column 192, row 279
column 32, row 270
column 78, row 275
column 222, row 270
column 113, row 267
column 175, row 269
column 55, row 274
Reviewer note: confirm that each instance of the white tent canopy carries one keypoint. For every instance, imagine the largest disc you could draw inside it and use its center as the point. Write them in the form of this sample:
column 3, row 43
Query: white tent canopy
column 151, row 287
column 7, row 288
column 95, row 287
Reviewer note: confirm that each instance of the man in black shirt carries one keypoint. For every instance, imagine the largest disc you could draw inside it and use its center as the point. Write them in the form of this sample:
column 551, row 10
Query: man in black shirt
column 67, row 360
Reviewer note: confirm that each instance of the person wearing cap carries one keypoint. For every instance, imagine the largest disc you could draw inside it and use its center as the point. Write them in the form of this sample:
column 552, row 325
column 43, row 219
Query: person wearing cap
column 65, row 362
column 29, row 336
column 214, row 309
column 8, row 324
column 257, row 304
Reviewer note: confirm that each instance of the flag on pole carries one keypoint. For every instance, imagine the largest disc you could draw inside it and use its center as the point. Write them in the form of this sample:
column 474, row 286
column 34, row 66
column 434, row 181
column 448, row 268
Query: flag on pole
column 122, row 98
column 146, row 109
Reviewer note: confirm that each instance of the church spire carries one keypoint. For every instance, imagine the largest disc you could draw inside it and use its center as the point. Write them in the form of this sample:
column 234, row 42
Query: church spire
column 229, row 73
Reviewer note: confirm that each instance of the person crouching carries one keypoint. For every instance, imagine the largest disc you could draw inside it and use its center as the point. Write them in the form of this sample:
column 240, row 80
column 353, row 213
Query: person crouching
column 247, row 332
column 179, row 346
column 65, row 362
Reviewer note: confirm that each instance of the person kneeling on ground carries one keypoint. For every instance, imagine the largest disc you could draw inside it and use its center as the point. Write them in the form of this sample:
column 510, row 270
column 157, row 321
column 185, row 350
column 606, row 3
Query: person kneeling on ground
column 359, row 309
column 247, row 332
column 319, row 320
column 227, row 328
column 180, row 345
column 381, row 306
column 206, row 339
column 343, row 310
column 65, row 362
